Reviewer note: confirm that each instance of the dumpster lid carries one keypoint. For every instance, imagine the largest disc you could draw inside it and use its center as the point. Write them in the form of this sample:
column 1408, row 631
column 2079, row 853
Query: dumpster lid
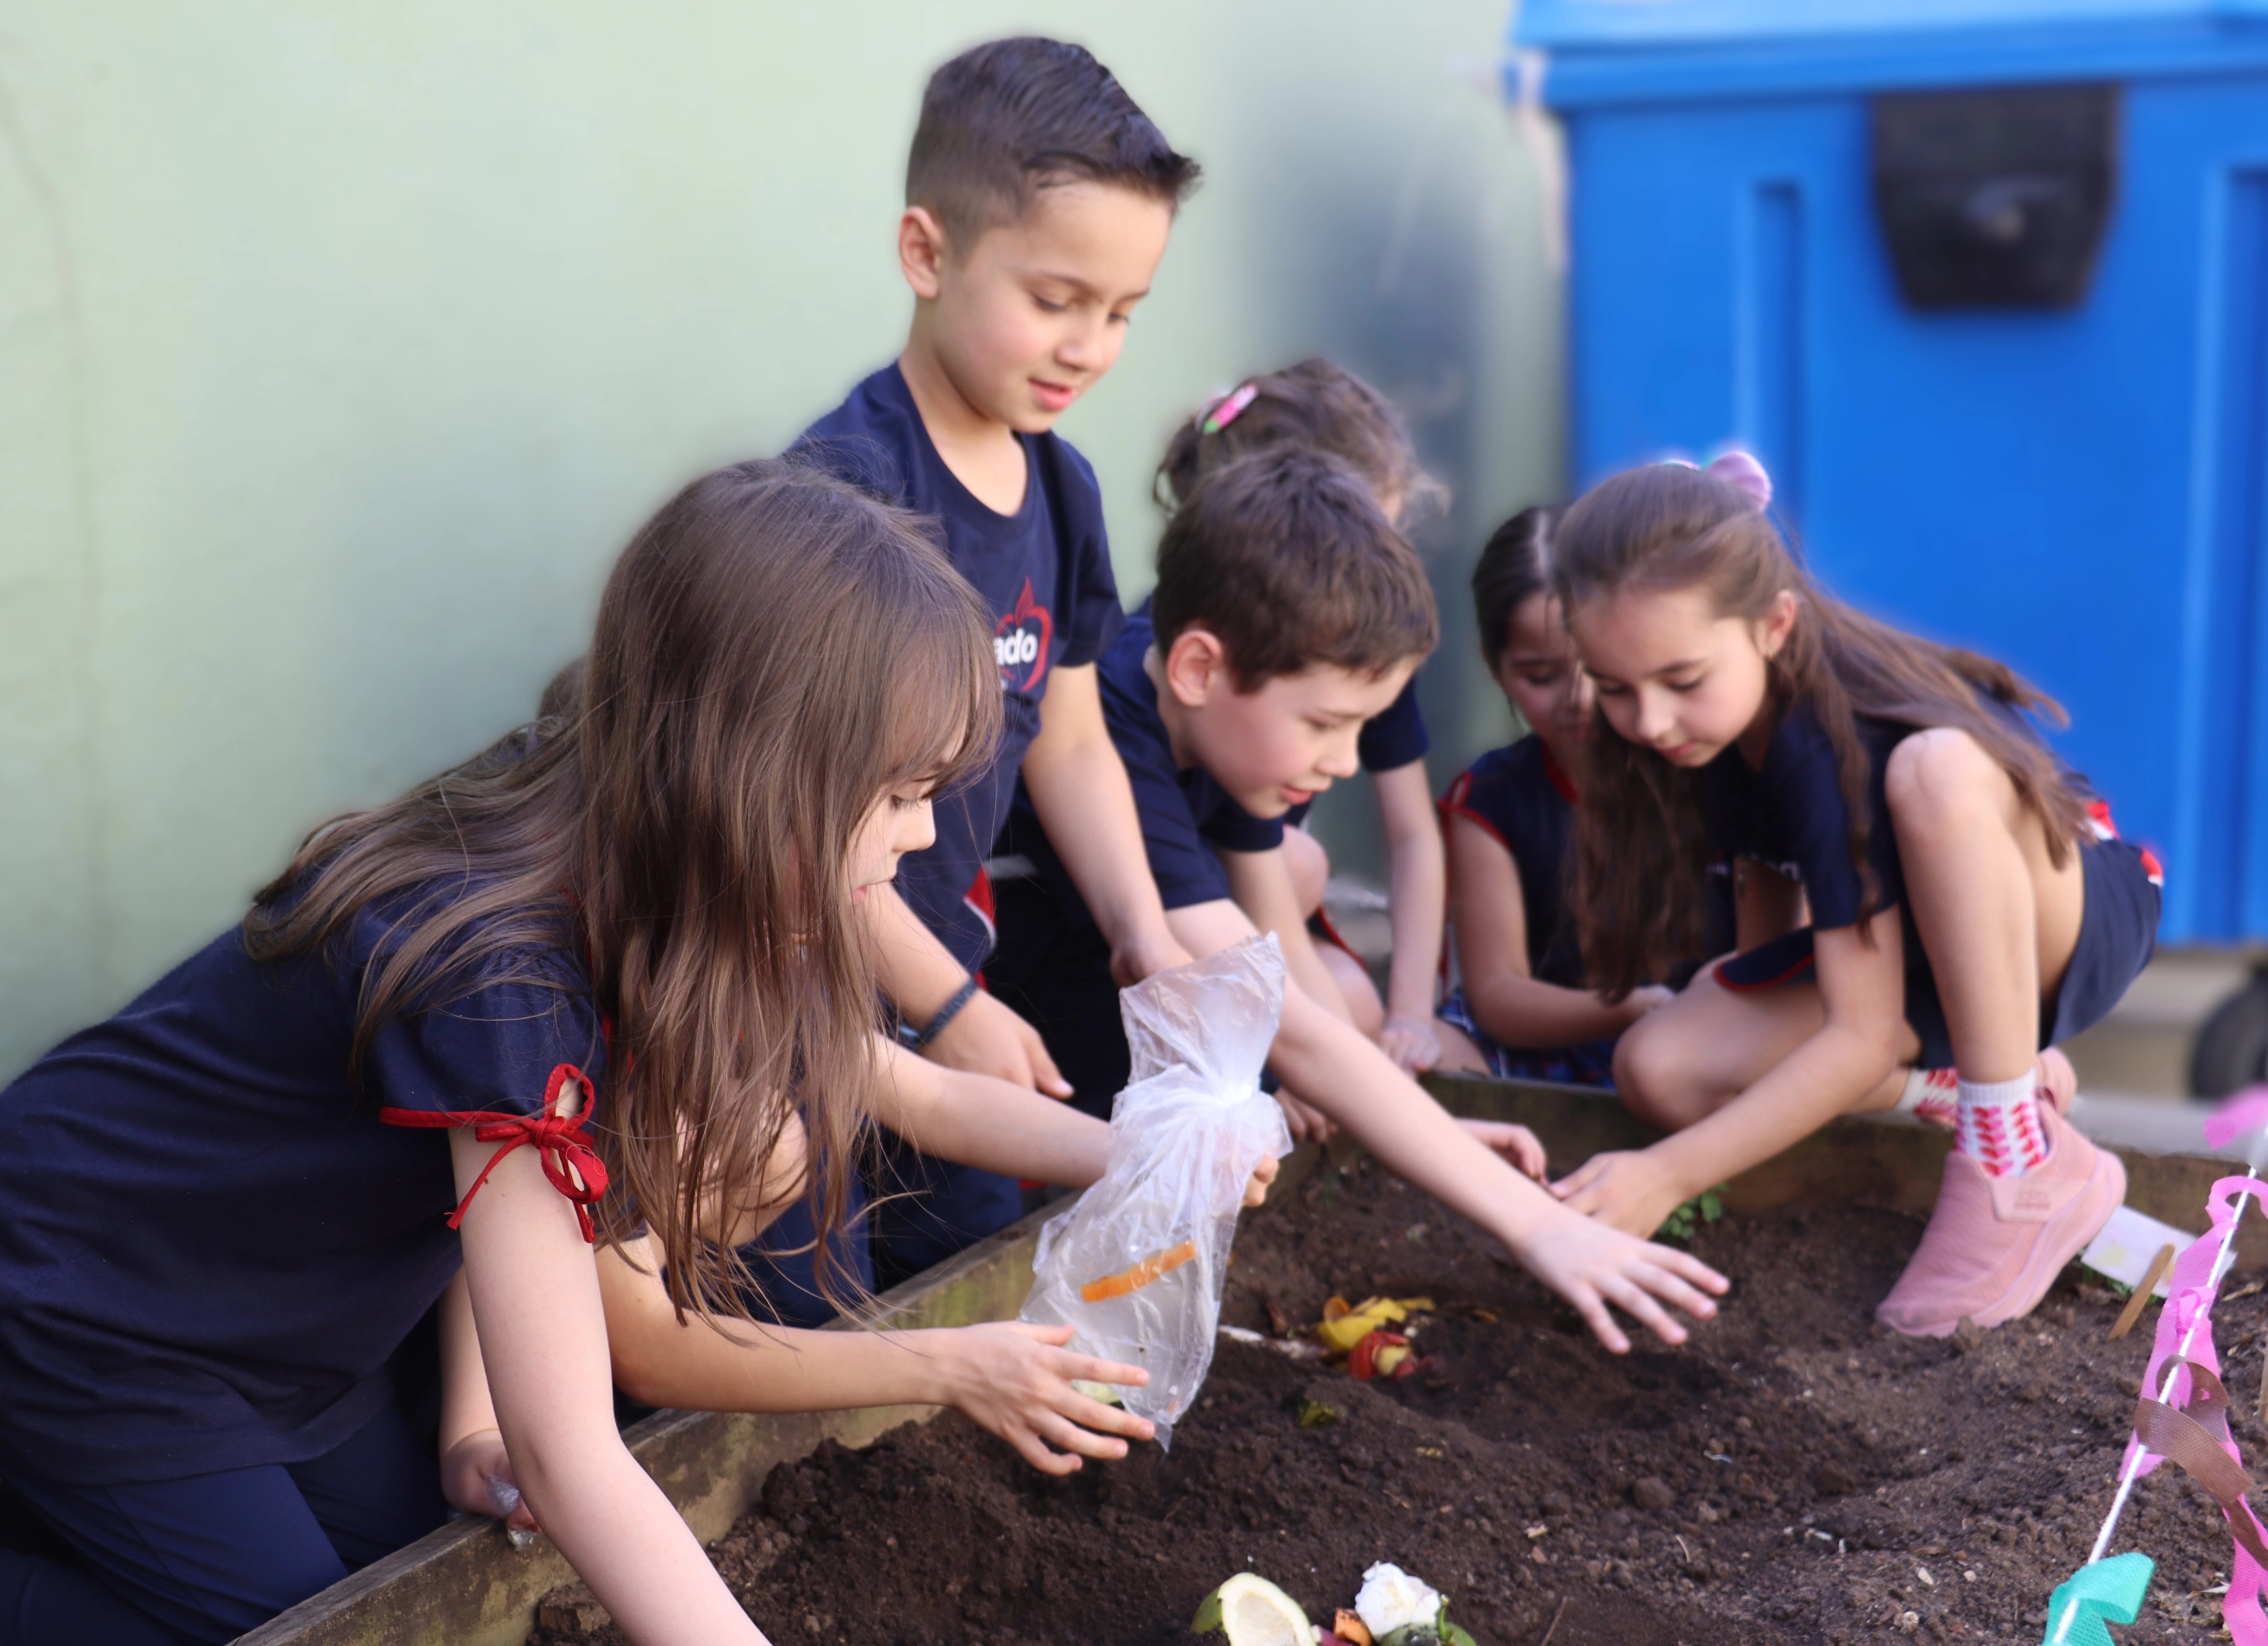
column 1605, row 52
column 1588, row 23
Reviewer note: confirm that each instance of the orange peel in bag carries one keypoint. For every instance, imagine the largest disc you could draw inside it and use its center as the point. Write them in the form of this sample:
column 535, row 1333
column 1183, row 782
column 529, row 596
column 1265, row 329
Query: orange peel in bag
column 1140, row 1275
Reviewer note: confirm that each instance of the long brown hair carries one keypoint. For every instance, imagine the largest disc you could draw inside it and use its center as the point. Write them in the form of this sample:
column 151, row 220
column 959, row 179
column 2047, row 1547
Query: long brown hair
column 1642, row 853
column 774, row 653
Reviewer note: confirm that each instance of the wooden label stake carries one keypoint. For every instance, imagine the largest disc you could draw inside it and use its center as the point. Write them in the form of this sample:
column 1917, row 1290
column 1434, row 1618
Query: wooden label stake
column 2142, row 1297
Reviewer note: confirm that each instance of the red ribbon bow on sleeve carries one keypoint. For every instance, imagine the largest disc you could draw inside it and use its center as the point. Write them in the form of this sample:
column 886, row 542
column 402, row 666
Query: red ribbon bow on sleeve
column 562, row 1141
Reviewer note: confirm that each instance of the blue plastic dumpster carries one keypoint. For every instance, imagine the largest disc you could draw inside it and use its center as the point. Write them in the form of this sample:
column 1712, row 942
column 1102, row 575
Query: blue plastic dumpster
column 1986, row 282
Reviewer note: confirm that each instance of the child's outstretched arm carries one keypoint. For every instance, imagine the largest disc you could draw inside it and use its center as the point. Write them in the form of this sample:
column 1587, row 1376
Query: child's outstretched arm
column 1079, row 787
column 1585, row 1261
column 1514, row 1006
column 1013, row 1379
column 1823, row 1074
column 996, row 1127
column 543, row 1335
column 1416, row 897
column 985, row 1037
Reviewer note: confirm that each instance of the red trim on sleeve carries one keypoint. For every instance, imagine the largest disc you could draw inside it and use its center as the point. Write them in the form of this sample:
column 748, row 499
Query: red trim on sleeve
column 1753, row 986
column 561, row 1143
column 1453, row 805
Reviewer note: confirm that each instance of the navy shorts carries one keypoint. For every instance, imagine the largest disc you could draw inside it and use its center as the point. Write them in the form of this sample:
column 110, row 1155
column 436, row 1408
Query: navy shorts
column 2117, row 935
column 1591, row 1064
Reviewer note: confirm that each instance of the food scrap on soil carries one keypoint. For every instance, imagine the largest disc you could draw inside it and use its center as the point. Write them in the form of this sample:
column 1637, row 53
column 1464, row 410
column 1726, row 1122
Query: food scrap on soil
column 1393, row 1609
column 1359, row 1331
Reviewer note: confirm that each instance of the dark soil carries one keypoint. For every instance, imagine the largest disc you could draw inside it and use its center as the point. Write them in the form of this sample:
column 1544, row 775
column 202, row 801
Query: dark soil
column 1793, row 1475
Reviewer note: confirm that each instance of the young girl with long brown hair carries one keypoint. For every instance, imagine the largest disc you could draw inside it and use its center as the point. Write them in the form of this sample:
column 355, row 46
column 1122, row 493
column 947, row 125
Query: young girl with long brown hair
column 584, row 985
column 1968, row 902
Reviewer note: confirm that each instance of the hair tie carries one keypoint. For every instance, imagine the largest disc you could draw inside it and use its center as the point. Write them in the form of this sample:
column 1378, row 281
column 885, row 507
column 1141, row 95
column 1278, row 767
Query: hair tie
column 1744, row 474
column 1225, row 410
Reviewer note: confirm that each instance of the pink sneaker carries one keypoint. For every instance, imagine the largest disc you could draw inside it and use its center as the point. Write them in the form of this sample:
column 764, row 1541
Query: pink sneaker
column 1995, row 1244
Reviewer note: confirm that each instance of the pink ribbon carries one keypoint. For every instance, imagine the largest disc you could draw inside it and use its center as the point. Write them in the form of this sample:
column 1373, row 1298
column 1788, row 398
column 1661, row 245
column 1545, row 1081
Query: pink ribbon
column 2189, row 1303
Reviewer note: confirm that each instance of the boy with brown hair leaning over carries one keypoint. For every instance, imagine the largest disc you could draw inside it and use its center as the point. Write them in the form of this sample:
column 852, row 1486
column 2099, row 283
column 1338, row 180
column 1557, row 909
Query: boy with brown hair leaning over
column 1287, row 612
column 1039, row 199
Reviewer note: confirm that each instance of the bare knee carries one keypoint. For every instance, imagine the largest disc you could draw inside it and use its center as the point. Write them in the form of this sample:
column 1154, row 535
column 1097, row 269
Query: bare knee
column 1653, row 1074
column 1943, row 783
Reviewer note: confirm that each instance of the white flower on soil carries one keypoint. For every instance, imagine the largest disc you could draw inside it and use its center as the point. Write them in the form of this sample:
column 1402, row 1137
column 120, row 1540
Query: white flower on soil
column 1392, row 1599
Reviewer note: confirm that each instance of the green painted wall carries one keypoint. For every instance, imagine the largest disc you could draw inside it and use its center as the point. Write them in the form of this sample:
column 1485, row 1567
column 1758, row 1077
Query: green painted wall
column 341, row 346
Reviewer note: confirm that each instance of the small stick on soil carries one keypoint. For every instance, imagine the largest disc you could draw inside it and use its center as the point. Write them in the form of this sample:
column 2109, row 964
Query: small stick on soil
column 2263, row 1391
column 2140, row 1300
column 1555, row 1616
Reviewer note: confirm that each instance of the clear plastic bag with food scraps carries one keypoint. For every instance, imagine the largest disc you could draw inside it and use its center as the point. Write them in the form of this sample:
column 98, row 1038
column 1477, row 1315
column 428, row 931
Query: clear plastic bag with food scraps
column 1136, row 1267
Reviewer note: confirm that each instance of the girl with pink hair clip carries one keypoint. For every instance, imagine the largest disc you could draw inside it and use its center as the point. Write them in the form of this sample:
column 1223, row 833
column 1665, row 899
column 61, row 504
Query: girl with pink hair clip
column 1921, row 886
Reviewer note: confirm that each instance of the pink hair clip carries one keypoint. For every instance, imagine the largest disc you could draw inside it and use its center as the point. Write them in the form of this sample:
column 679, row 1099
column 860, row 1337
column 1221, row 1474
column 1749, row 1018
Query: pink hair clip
column 1744, row 474
column 1737, row 469
column 1228, row 409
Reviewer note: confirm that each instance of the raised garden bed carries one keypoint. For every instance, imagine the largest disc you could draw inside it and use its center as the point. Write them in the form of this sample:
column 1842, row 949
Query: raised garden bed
column 1789, row 1476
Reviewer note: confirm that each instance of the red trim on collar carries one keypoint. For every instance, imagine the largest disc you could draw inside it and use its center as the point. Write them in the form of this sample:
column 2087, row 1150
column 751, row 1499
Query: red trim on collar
column 1560, row 781
column 561, row 1143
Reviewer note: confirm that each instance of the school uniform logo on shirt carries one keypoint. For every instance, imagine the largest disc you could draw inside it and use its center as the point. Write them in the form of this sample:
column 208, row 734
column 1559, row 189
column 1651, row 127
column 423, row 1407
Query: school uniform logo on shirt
column 1020, row 642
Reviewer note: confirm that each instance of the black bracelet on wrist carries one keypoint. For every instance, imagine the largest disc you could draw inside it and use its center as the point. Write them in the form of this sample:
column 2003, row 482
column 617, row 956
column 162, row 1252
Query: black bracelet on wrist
column 918, row 1040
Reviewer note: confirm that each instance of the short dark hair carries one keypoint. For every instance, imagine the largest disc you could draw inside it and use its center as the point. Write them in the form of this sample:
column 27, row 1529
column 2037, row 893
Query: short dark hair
column 1008, row 118
column 1286, row 559
column 1515, row 566
column 1314, row 403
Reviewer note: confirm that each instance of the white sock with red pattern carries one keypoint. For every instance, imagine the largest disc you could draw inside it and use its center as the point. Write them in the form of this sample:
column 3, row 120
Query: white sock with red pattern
column 1998, row 1124
column 1932, row 1096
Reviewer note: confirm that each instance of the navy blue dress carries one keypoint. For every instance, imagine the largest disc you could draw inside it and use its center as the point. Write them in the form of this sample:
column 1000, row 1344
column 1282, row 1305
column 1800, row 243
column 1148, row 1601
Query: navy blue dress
column 213, row 1244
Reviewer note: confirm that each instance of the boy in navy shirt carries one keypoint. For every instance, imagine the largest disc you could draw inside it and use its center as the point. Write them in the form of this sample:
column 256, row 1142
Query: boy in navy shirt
column 1288, row 611
column 1039, row 199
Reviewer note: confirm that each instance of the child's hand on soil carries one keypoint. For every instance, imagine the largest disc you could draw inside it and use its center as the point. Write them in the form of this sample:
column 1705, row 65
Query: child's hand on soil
column 1411, row 1042
column 986, row 1037
column 1014, row 1379
column 1256, row 1187
column 1515, row 1143
column 1591, row 1266
column 1624, row 1189
column 472, row 1471
column 1308, row 1123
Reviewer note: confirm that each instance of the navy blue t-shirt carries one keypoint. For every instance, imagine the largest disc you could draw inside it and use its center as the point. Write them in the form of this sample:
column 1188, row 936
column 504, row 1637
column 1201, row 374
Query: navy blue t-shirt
column 1792, row 815
column 1184, row 813
column 210, row 1244
column 1045, row 571
column 1396, row 737
column 1519, row 795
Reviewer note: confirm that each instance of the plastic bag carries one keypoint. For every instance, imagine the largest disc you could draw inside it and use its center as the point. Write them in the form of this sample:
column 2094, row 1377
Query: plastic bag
column 1136, row 1266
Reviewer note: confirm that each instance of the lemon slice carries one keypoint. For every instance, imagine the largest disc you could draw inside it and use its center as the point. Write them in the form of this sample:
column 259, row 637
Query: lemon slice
column 1253, row 1612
